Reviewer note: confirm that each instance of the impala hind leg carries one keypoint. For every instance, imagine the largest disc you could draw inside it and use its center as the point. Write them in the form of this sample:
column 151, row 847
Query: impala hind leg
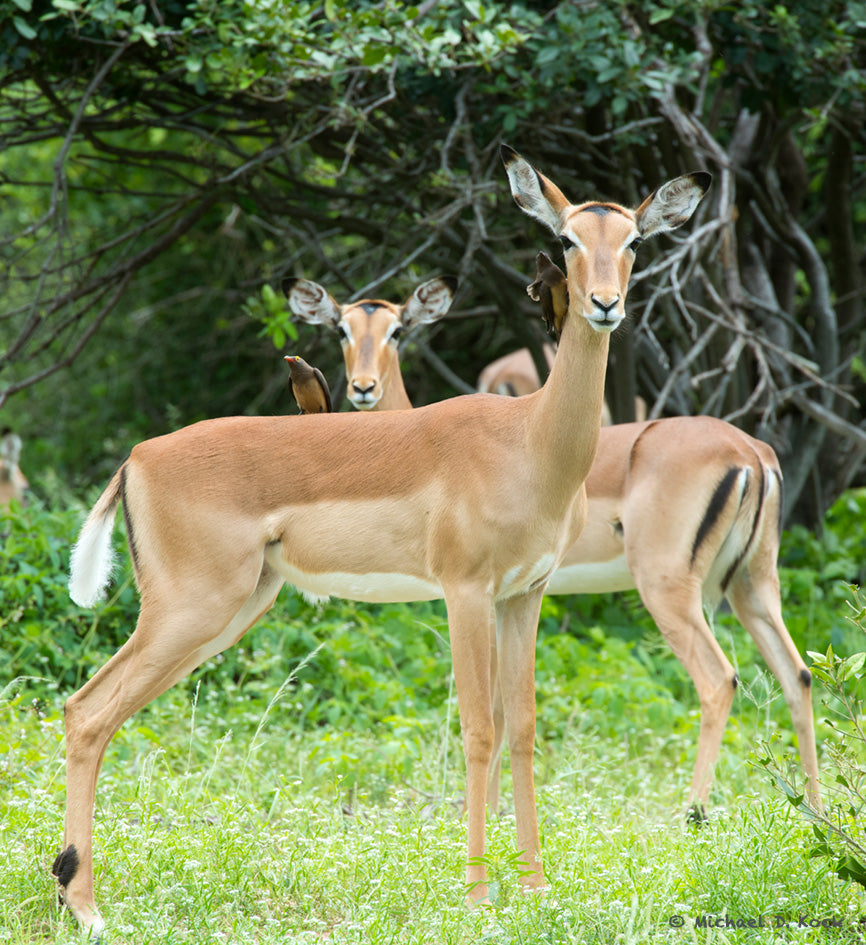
column 469, row 627
column 517, row 628
column 756, row 602
column 165, row 646
column 678, row 612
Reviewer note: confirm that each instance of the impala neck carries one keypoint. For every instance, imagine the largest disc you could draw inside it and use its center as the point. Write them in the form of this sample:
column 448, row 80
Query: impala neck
column 394, row 396
column 565, row 427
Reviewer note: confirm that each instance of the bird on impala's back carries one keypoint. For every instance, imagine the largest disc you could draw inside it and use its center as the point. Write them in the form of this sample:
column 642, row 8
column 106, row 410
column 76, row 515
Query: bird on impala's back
column 308, row 386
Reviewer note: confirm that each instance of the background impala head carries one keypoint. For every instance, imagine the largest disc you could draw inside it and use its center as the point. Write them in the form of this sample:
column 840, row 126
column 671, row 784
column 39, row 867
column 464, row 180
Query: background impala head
column 369, row 332
column 600, row 239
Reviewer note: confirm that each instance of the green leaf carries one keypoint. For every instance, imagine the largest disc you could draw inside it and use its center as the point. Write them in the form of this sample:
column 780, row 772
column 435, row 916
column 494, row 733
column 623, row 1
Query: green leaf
column 851, row 868
column 24, row 28
column 853, row 665
column 659, row 15
column 25, row 5
column 373, row 55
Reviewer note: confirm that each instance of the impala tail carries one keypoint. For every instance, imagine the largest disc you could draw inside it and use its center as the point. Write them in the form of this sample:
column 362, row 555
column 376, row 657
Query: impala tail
column 93, row 557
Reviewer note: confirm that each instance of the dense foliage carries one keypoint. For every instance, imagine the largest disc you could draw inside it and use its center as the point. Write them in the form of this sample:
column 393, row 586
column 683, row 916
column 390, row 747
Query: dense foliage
column 164, row 164
column 353, row 666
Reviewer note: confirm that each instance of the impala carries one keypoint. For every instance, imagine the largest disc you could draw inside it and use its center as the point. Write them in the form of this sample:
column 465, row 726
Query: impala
column 13, row 482
column 369, row 332
column 473, row 499
column 687, row 511
column 514, row 374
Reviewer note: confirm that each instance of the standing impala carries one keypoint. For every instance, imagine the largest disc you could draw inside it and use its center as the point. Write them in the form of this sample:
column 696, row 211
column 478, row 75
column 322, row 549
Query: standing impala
column 474, row 499
column 687, row 511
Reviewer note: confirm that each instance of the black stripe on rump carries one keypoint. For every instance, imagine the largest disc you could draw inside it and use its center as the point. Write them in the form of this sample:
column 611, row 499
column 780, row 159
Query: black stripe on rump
column 778, row 476
column 714, row 509
column 732, row 570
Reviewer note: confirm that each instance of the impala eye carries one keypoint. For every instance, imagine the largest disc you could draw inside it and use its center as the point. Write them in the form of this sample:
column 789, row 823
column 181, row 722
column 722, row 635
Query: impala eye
column 396, row 333
column 342, row 334
column 567, row 243
column 633, row 245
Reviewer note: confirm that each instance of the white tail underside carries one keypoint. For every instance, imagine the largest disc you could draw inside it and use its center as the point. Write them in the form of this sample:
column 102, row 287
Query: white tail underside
column 92, row 562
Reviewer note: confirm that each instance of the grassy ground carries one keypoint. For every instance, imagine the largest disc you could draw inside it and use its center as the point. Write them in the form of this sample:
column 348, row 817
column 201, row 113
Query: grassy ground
column 234, row 825
column 235, row 809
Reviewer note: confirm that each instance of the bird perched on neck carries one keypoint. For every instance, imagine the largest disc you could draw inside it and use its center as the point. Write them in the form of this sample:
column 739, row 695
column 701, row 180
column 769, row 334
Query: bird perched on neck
column 308, row 386
column 551, row 289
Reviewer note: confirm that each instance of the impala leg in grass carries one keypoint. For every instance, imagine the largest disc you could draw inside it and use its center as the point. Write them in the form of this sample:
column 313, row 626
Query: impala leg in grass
column 687, row 511
column 474, row 500
column 370, row 331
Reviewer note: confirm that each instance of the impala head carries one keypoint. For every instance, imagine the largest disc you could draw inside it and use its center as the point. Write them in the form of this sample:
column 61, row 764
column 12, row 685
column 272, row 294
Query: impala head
column 600, row 239
column 370, row 330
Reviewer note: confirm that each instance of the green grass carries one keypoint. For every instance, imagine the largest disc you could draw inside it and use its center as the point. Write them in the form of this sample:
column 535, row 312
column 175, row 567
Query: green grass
column 306, row 785
column 230, row 822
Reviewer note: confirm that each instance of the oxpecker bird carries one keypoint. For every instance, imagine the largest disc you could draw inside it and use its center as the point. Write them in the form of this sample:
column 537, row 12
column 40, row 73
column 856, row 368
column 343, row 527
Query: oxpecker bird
column 308, row 386
column 551, row 289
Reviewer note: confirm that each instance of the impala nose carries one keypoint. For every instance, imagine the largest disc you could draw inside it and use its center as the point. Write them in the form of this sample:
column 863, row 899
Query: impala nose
column 604, row 306
column 604, row 313
column 364, row 394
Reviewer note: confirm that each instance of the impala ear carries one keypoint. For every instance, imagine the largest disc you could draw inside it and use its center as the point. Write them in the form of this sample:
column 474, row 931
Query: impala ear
column 533, row 192
column 672, row 204
column 310, row 302
column 429, row 302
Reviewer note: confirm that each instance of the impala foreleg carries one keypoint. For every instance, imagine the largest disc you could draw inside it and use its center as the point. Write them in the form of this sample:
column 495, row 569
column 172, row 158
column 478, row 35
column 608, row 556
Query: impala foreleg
column 517, row 627
column 469, row 627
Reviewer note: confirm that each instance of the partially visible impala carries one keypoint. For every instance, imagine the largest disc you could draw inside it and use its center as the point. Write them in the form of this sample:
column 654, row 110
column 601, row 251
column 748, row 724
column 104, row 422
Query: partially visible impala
column 13, row 482
column 515, row 374
column 473, row 499
column 686, row 510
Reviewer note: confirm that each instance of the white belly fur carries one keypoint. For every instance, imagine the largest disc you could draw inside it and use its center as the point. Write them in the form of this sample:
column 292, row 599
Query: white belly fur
column 381, row 588
column 375, row 588
column 599, row 577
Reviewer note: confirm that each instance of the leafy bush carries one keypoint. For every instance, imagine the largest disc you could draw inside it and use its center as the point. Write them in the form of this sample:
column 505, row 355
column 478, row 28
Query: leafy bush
column 838, row 829
column 816, row 573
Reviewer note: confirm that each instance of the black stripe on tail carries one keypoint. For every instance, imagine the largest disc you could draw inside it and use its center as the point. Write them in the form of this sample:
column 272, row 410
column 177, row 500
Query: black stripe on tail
column 127, row 521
